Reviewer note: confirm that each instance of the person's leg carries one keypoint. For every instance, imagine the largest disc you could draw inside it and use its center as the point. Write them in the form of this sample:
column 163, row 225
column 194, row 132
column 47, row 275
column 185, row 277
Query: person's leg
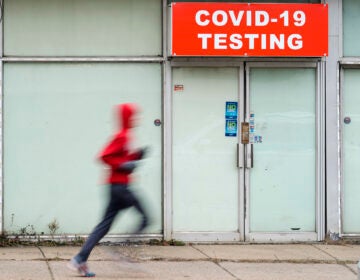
column 98, row 233
column 134, row 201
column 79, row 261
column 115, row 204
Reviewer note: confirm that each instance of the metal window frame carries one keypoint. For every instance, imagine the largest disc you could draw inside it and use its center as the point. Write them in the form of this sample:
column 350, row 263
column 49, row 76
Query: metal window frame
column 319, row 234
column 1, row 121
column 214, row 236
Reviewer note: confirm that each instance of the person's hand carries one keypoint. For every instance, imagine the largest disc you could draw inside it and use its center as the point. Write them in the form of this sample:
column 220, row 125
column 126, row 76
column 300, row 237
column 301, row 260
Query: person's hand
column 128, row 166
column 143, row 152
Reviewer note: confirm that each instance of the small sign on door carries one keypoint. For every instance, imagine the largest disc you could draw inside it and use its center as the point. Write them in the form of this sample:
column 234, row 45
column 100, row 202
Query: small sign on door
column 230, row 127
column 231, row 114
column 231, row 110
column 178, row 88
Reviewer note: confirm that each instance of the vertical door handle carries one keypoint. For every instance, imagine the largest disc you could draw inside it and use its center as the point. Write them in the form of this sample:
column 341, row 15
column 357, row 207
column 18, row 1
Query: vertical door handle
column 239, row 156
column 249, row 156
column 252, row 155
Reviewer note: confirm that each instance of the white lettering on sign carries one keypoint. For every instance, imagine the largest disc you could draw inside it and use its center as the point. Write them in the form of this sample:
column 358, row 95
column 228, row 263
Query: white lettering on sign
column 263, row 41
column 252, row 18
column 199, row 19
column 220, row 41
column 295, row 42
column 262, row 18
column 249, row 18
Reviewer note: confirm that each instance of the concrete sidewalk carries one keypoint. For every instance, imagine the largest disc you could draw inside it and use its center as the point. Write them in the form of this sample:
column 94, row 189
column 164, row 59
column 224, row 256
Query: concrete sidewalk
column 244, row 262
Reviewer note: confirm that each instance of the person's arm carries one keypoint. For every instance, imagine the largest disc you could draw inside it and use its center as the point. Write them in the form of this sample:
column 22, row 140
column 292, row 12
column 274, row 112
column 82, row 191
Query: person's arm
column 115, row 155
column 130, row 165
column 138, row 154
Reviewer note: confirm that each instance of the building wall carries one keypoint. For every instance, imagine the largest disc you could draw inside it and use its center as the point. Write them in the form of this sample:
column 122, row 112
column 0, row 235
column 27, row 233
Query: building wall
column 65, row 64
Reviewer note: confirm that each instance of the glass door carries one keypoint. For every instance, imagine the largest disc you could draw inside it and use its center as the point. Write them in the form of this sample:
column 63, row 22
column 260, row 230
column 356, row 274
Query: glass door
column 205, row 164
column 281, row 180
column 263, row 182
column 350, row 125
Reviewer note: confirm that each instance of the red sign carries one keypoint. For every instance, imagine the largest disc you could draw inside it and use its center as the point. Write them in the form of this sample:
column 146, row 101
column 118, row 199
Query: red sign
column 239, row 29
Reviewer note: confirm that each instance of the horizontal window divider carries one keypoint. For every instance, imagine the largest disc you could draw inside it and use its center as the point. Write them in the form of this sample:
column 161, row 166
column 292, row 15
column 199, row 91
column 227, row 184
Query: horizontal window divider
column 140, row 59
column 241, row 59
column 350, row 61
column 349, row 235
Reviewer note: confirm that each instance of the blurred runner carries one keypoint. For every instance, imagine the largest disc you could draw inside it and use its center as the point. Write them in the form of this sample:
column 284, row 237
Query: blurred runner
column 122, row 161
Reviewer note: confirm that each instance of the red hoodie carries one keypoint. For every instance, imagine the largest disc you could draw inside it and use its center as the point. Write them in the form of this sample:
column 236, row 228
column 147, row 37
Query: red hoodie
column 117, row 151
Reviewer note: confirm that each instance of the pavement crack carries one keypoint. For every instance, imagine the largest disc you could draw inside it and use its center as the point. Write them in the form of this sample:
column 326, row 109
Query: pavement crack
column 226, row 270
column 276, row 257
column 349, row 268
column 343, row 263
column 216, row 261
column 47, row 263
column 201, row 252
column 323, row 251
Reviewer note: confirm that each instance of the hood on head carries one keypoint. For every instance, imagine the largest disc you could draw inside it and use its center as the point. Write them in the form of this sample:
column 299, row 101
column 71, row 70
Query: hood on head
column 125, row 112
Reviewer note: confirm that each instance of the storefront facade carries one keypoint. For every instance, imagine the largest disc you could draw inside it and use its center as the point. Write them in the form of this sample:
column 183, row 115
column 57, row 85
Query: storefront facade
column 256, row 147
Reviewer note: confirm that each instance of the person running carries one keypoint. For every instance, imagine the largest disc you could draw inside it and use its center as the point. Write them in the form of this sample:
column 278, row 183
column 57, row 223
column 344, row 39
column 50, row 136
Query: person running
column 121, row 161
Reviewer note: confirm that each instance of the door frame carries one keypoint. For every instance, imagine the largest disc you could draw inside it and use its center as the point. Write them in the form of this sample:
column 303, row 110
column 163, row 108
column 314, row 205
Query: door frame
column 243, row 234
column 215, row 236
column 319, row 233
column 341, row 95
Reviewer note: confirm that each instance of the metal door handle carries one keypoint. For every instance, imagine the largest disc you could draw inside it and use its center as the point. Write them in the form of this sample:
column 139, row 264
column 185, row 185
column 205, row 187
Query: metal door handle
column 252, row 155
column 249, row 156
column 239, row 156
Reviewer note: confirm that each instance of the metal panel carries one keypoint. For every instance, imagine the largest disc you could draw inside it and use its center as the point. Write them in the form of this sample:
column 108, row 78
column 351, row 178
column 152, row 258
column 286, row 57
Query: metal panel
column 241, row 151
column 84, row 59
column 332, row 120
column 167, row 153
column 207, row 236
column 1, row 117
column 320, row 151
column 167, row 130
column 1, row 149
column 283, row 237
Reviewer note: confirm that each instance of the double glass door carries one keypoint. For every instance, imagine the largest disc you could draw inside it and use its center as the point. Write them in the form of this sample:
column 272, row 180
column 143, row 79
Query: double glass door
column 245, row 157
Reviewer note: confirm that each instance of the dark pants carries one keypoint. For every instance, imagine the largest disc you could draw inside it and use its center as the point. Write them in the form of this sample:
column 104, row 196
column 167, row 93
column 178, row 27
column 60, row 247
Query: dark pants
column 120, row 198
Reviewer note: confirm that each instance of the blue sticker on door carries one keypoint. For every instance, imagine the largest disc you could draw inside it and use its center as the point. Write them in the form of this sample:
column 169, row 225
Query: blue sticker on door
column 230, row 127
column 231, row 110
column 231, row 114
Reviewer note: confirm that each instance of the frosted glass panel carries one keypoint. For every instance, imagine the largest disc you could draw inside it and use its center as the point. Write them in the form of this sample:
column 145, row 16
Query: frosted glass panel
column 82, row 27
column 351, row 151
column 282, row 182
column 205, row 176
column 57, row 118
column 351, row 22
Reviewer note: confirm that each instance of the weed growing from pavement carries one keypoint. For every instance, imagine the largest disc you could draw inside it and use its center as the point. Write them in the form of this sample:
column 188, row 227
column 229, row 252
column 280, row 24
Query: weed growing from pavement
column 53, row 227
